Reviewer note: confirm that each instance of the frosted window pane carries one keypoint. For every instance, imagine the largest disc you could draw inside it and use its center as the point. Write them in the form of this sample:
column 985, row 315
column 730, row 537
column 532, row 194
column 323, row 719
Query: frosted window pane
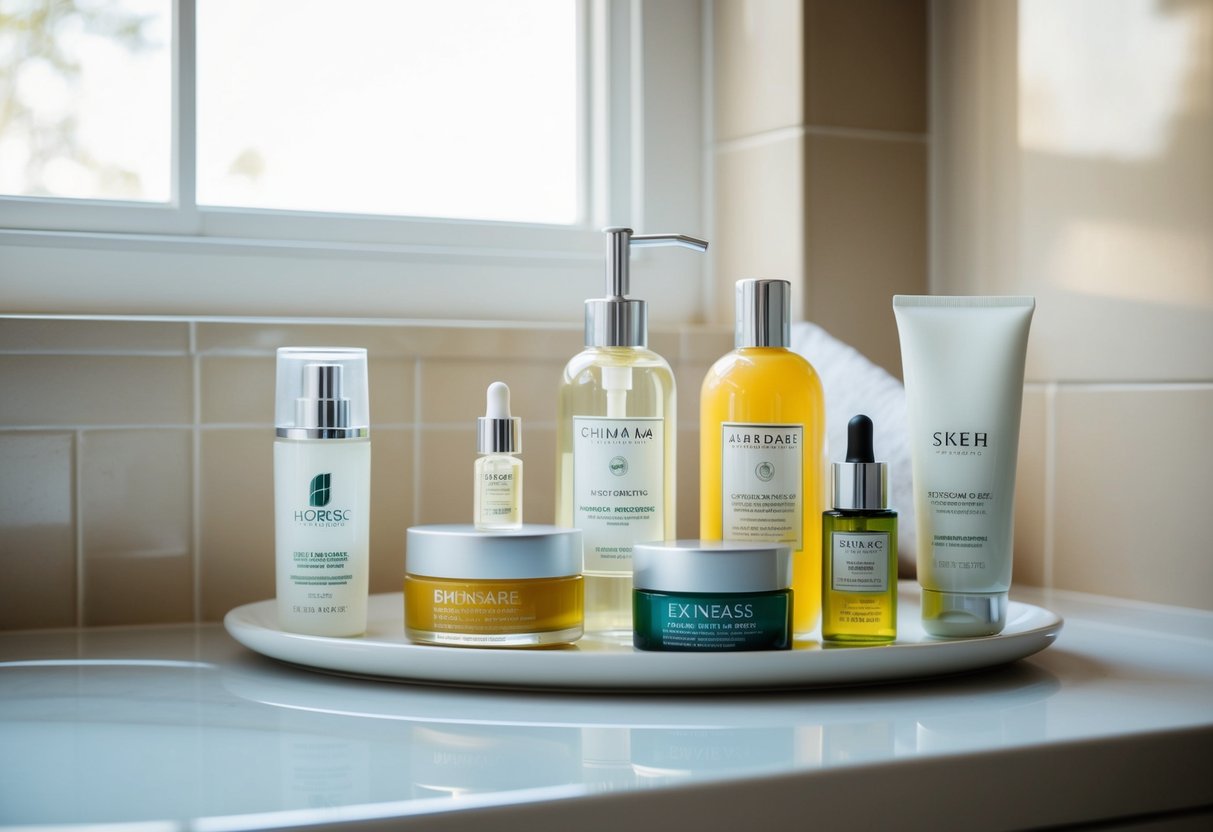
column 86, row 98
column 458, row 108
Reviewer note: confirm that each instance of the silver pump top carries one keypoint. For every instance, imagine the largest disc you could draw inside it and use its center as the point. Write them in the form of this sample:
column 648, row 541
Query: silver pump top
column 497, row 432
column 617, row 320
column 764, row 313
column 321, row 393
column 860, row 483
column 323, row 405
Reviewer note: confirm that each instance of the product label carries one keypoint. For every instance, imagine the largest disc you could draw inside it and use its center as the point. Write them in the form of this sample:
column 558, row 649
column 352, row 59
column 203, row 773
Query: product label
column 960, row 442
column 618, row 488
column 735, row 622
column 312, row 568
column 478, row 610
column 962, row 501
column 321, row 533
column 498, row 497
column 490, row 612
column 761, row 470
column 859, row 561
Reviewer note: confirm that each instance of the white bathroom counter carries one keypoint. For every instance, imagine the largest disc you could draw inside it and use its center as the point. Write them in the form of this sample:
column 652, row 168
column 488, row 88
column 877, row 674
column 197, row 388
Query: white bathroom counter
column 179, row 727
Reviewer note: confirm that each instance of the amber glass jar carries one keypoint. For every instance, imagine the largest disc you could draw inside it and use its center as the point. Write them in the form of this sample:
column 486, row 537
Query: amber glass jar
column 515, row 588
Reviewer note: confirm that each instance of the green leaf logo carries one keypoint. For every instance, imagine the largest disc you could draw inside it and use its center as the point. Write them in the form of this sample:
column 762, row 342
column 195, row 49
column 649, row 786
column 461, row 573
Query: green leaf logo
column 322, row 490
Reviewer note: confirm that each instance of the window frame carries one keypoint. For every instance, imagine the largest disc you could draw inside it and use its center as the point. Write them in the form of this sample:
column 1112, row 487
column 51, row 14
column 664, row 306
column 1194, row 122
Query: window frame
column 642, row 85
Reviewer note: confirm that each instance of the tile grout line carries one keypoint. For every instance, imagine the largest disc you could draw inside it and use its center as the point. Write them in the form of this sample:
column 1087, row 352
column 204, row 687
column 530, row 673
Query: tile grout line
column 195, row 473
column 707, row 174
column 101, row 428
column 867, row 133
column 90, row 353
column 799, row 131
column 1050, row 480
column 537, row 424
column 416, row 472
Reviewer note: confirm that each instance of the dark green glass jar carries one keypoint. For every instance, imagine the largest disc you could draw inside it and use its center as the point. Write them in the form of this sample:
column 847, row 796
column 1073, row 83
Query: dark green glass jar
column 711, row 596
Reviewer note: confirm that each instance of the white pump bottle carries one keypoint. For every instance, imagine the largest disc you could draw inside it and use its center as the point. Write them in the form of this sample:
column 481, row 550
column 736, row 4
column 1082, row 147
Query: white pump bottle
column 322, row 490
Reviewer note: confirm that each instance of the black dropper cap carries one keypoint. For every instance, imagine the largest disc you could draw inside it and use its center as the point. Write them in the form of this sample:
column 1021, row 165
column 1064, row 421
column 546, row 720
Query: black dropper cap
column 860, row 482
column 859, row 440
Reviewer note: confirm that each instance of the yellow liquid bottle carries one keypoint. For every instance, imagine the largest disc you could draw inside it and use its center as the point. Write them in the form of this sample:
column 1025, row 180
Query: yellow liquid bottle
column 762, row 443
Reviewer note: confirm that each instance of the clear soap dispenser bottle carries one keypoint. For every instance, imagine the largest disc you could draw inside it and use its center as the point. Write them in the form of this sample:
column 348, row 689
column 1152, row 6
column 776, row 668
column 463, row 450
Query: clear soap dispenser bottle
column 615, row 440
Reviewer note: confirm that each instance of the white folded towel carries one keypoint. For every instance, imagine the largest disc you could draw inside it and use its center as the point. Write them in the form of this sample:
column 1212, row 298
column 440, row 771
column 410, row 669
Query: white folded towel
column 854, row 385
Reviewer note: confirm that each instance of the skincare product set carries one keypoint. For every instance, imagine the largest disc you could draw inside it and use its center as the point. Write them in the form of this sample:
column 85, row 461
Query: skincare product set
column 774, row 558
column 497, row 582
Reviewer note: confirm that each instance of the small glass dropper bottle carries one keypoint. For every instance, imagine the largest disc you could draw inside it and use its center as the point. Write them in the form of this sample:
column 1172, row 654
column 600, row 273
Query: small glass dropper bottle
column 498, row 473
column 859, row 548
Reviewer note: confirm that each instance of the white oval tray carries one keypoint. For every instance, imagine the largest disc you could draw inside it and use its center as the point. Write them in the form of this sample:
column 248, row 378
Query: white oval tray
column 600, row 664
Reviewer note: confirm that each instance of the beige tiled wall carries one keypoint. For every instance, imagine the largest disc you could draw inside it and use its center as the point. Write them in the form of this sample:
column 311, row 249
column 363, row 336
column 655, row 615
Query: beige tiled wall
column 821, row 158
column 135, row 455
column 136, row 464
column 1055, row 176
column 1058, row 168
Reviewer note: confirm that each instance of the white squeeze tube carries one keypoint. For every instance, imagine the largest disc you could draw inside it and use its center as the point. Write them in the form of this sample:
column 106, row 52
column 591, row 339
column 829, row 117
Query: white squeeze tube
column 963, row 362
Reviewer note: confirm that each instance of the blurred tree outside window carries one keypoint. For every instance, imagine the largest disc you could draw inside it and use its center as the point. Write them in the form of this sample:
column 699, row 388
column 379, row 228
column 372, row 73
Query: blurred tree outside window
column 86, row 99
column 466, row 109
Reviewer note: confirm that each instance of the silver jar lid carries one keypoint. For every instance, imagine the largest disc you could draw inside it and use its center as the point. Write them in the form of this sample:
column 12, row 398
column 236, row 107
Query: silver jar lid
column 460, row 551
column 711, row 566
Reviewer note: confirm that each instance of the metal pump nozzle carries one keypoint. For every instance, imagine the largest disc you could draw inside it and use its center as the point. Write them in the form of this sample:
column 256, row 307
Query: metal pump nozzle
column 322, row 405
column 617, row 320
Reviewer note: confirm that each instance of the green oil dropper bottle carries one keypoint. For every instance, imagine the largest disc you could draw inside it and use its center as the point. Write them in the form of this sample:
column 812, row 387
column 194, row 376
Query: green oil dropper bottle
column 859, row 548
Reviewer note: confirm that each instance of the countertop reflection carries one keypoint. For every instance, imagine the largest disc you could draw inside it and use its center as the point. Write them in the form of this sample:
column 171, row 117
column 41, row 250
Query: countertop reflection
column 181, row 723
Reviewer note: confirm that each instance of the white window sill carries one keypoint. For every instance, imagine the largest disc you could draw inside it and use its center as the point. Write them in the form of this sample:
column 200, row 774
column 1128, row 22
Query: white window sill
column 59, row 272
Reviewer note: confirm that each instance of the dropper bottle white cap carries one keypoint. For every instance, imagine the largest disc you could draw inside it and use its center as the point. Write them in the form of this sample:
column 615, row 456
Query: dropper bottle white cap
column 497, row 432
